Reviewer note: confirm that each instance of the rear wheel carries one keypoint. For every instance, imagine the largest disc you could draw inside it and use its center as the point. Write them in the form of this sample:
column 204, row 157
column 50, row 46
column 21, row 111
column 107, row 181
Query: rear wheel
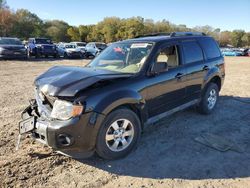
column 118, row 134
column 209, row 99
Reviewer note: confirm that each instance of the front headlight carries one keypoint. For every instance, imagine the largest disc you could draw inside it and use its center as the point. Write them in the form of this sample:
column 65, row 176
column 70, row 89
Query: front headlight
column 64, row 110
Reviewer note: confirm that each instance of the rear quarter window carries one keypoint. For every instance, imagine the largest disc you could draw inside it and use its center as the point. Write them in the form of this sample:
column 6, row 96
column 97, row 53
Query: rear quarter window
column 210, row 48
column 192, row 52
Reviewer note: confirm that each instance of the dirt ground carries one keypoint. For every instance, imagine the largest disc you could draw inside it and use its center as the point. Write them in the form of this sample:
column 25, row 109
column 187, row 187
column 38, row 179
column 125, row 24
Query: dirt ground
column 167, row 154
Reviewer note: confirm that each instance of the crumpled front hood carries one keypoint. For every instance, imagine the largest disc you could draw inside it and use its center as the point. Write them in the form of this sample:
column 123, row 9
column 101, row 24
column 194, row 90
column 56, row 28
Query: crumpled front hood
column 68, row 81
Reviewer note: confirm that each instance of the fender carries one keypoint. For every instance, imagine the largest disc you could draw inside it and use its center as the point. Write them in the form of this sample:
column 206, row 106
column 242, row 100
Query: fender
column 118, row 98
column 99, row 106
column 215, row 71
column 105, row 104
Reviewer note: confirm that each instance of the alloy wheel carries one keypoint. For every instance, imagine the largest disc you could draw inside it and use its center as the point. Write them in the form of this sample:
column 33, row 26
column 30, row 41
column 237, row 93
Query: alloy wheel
column 212, row 99
column 119, row 135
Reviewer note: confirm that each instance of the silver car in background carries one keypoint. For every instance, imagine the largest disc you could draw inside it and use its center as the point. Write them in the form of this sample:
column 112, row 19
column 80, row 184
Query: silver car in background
column 68, row 50
column 94, row 48
column 81, row 46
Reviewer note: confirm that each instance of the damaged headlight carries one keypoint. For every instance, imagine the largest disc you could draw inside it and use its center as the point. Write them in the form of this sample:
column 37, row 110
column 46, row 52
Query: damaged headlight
column 64, row 110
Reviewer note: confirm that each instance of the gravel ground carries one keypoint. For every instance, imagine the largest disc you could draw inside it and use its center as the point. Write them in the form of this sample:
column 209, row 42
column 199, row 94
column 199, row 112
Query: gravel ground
column 167, row 155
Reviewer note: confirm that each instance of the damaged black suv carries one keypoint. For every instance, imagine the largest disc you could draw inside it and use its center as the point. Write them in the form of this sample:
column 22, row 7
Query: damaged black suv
column 104, row 106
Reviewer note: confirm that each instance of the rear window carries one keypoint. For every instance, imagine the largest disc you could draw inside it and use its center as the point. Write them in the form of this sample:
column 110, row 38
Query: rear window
column 210, row 48
column 192, row 51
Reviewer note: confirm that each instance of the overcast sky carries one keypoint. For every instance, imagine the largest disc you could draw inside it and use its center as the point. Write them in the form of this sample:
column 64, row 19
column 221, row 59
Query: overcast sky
column 224, row 14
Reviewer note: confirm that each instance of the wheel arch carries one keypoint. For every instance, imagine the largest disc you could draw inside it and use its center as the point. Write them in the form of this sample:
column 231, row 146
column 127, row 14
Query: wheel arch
column 213, row 76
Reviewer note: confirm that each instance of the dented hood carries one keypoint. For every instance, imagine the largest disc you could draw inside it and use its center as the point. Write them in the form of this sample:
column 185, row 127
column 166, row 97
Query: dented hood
column 68, row 81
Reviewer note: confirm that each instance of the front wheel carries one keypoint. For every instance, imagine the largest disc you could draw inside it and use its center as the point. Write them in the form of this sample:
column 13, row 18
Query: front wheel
column 65, row 56
column 209, row 99
column 118, row 134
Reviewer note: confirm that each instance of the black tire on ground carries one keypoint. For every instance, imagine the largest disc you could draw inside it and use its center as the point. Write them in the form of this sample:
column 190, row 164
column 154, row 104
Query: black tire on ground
column 203, row 106
column 65, row 55
column 38, row 55
column 102, row 148
column 25, row 58
column 28, row 54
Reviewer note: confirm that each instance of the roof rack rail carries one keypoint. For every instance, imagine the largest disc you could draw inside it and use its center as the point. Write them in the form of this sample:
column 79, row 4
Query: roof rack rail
column 173, row 34
column 180, row 34
column 154, row 35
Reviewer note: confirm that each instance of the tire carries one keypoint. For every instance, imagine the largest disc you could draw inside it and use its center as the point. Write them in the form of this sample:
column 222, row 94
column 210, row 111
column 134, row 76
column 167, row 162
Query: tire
column 28, row 54
column 37, row 55
column 65, row 56
column 209, row 99
column 127, row 139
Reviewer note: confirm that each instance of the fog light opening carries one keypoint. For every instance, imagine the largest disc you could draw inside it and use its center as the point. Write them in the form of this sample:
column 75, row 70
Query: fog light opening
column 64, row 140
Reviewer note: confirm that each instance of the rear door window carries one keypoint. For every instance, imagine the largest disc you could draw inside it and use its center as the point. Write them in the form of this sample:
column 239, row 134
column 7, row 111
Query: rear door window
column 192, row 52
column 210, row 48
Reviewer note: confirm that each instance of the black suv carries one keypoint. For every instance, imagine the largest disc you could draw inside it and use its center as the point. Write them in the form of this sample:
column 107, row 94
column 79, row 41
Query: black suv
column 41, row 47
column 104, row 106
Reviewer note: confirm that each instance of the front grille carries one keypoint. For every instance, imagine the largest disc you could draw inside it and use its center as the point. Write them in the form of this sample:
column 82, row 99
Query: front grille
column 48, row 47
column 75, row 53
column 13, row 52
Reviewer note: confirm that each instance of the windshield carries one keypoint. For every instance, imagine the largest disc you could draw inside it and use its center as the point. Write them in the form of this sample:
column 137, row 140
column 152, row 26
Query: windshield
column 10, row 41
column 123, row 57
column 43, row 41
column 70, row 46
column 101, row 45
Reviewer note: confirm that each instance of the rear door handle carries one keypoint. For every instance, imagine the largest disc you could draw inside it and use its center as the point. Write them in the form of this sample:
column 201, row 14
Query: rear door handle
column 205, row 67
column 179, row 75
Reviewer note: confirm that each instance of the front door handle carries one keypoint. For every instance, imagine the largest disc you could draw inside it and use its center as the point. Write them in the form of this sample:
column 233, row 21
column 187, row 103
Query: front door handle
column 205, row 67
column 179, row 75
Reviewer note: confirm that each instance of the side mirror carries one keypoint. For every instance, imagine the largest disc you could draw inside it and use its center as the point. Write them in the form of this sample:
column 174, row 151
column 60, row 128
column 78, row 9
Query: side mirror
column 159, row 67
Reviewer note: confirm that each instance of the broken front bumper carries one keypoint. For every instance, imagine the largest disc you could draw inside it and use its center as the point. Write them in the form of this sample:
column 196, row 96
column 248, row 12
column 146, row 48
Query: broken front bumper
column 75, row 137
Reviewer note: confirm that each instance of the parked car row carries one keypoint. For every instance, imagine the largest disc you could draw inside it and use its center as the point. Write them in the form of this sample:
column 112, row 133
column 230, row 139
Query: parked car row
column 235, row 51
column 44, row 47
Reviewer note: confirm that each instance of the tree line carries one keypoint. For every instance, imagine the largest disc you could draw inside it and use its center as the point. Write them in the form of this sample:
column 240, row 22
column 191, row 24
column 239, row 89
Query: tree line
column 24, row 24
